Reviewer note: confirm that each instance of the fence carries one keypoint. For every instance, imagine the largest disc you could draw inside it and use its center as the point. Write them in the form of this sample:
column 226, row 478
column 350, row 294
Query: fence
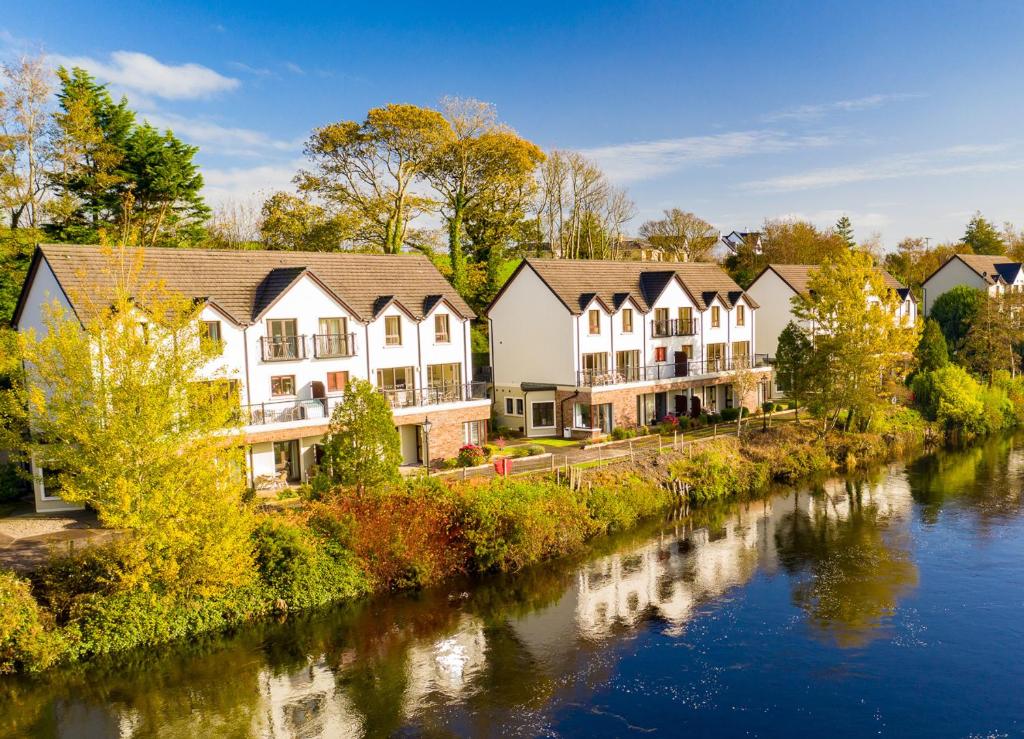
column 609, row 452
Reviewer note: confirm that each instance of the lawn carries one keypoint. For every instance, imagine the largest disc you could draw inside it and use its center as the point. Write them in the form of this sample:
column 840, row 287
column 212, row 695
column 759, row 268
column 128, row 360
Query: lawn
column 555, row 441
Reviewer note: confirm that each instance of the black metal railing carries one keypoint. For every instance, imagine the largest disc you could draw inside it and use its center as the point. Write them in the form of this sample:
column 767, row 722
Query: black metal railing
column 674, row 327
column 282, row 348
column 669, row 370
column 334, row 345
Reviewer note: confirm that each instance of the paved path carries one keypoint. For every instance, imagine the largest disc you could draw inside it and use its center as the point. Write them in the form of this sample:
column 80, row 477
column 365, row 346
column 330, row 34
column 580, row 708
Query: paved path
column 27, row 538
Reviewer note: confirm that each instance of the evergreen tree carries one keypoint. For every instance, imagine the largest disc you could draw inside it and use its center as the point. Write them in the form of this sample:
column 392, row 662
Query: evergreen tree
column 955, row 311
column 362, row 448
column 793, row 362
column 982, row 237
column 844, row 228
column 932, row 352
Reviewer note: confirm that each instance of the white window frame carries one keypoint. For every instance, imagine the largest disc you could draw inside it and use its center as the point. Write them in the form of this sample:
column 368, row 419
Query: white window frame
column 446, row 319
column 533, row 413
column 513, row 405
column 632, row 324
column 387, row 335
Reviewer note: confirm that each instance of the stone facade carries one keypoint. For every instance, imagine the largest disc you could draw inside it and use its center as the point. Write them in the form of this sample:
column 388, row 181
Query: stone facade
column 446, row 433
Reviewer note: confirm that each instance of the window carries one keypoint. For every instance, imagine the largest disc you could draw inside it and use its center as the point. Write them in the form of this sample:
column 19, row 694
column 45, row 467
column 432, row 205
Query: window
column 627, row 364
column 395, row 378
column 660, row 327
column 282, row 339
column 333, row 340
column 282, row 385
column 543, row 413
column 595, row 365
column 595, row 321
column 581, row 416
column 210, row 331
column 716, row 357
column 333, row 326
column 686, row 321
column 445, row 381
column 441, row 333
column 513, row 406
column 741, row 315
column 393, row 330
column 286, row 460
column 474, row 432
column 741, row 353
column 728, row 396
column 337, row 381
column 716, row 316
column 627, row 320
column 660, row 353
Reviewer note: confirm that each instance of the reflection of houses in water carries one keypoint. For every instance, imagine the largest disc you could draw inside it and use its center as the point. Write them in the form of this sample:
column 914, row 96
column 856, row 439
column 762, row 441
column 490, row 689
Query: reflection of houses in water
column 445, row 666
column 307, row 703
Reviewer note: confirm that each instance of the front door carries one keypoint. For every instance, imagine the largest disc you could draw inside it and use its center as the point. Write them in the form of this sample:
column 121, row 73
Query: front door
column 680, row 405
column 682, row 364
column 695, row 406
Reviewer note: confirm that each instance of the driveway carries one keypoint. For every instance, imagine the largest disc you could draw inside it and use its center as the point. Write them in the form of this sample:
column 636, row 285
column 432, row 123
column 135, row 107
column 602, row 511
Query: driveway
column 28, row 538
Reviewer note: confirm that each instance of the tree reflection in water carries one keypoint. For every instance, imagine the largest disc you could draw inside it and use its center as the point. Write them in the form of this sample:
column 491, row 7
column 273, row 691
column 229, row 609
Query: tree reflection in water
column 507, row 653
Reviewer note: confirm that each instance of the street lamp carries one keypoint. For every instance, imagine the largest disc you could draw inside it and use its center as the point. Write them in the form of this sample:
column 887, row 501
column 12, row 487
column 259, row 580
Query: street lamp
column 427, row 425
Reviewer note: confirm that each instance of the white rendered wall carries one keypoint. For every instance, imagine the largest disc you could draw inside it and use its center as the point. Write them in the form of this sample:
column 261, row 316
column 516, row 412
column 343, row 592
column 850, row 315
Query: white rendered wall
column 951, row 274
column 673, row 297
column 774, row 297
column 531, row 334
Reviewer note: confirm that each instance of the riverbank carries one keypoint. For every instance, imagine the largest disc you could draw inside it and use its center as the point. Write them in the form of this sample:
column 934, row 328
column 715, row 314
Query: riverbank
column 408, row 536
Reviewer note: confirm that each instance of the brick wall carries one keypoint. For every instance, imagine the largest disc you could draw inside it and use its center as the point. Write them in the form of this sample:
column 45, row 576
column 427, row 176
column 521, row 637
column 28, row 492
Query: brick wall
column 446, row 432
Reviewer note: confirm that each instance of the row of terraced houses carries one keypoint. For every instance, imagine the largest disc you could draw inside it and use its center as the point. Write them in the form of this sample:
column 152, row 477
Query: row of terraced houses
column 577, row 348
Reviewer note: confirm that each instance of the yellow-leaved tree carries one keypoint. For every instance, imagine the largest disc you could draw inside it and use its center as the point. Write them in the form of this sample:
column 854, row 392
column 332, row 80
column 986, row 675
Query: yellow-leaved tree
column 131, row 415
column 861, row 348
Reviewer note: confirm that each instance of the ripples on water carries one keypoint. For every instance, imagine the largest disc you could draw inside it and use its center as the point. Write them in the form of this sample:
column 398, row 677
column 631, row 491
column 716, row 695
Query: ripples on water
column 888, row 605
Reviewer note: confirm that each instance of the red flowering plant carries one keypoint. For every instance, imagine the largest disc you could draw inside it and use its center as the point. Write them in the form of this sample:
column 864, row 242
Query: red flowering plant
column 471, row 455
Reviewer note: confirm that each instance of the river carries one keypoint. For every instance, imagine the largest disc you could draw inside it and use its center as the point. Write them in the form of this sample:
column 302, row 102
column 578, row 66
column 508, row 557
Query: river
column 888, row 604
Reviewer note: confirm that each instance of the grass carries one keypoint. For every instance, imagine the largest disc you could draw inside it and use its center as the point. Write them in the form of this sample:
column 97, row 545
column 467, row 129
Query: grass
column 554, row 441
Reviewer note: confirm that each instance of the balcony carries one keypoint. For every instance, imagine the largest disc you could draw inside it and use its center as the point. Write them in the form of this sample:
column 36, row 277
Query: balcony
column 327, row 346
column 416, row 397
column 673, row 327
column 282, row 348
column 668, row 371
column 308, row 409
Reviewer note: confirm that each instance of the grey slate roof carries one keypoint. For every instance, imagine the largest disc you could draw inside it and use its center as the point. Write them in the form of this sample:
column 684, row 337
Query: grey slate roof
column 244, row 283
column 576, row 282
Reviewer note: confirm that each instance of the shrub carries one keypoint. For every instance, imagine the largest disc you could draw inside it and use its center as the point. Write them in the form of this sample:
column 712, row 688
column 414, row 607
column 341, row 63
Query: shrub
column 643, row 430
column 470, row 455
column 718, row 470
column 614, row 510
column 27, row 641
column 683, row 423
column 730, row 414
column 618, row 433
column 713, row 418
column 950, row 396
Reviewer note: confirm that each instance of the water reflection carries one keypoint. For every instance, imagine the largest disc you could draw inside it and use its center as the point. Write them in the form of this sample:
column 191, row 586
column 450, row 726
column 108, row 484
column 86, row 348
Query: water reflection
column 499, row 657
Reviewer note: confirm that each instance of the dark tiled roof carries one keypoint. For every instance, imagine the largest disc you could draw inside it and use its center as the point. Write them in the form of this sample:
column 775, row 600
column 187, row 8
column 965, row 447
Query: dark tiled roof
column 798, row 275
column 573, row 280
column 243, row 283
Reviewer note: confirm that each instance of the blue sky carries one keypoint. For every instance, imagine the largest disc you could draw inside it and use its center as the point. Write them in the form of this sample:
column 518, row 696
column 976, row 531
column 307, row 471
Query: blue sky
column 906, row 116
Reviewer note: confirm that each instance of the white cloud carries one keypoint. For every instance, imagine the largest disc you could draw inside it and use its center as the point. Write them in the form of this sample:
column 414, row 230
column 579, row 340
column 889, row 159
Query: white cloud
column 142, row 73
column 294, row 68
column 934, row 163
column 247, row 184
column 646, row 159
column 227, row 139
column 811, row 112
column 256, row 71
column 861, row 221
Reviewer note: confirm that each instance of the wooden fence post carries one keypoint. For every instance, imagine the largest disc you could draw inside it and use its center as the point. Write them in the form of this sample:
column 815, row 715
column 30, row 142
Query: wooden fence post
column 632, row 457
column 714, row 433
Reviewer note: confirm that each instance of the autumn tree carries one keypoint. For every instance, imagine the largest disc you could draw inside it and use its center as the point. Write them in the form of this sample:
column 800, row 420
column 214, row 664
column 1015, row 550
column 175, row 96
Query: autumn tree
column 362, row 448
column 368, row 170
column 681, row 234
column 482, row 170
column 861, row 352
column 913, row 261
column 24, row 146
column 581, row 214
column 785, row 242
column 982, row 237
column 128, row 418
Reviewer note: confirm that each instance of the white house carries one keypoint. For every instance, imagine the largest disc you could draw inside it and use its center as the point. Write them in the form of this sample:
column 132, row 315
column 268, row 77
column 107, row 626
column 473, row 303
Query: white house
column 295, row 328
column 980, row 271
column 776, row 286
column 579, row 347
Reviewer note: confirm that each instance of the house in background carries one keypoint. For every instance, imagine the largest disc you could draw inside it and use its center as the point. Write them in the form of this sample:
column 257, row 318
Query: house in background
column 579, row 347
column 737, row 240
column 295, row 328
column 980, row 271
column 776, row 286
